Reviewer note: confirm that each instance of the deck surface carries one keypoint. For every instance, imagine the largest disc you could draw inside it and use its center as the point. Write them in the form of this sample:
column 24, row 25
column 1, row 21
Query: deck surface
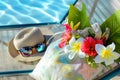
column 23, row 77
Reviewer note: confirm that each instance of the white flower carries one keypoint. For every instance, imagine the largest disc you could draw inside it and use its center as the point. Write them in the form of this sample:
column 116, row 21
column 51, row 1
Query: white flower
column 74, row 47
column 106, row 54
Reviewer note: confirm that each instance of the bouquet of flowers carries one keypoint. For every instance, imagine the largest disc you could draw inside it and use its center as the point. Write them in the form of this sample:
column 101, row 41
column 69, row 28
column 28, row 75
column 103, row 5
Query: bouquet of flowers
column 82, row 49
column 94, row 43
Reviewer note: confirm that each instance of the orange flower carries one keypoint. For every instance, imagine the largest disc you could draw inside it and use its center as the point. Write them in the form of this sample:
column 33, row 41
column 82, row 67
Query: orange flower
column 66, row 36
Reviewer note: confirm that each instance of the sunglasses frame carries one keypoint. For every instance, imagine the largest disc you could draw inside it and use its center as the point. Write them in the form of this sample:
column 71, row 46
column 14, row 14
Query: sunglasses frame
column 33, row 49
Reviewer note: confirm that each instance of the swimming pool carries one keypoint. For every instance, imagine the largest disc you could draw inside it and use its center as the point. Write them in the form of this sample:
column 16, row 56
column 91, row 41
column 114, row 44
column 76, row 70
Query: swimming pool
column 22, row 12
column 112, row 74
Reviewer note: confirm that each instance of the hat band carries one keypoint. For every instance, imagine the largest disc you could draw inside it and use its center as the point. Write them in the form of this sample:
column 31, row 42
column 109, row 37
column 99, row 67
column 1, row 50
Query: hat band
column 28, row 51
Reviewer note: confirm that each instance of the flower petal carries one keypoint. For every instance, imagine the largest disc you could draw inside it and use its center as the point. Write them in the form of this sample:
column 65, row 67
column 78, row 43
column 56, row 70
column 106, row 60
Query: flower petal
column 98, row 59
column 81, row 54
column 111, row 46
column 72, row 40
column 80, row 40
column 117, row 55
column 71, row 55
column 62, row 44
column 68, row 28
column 110, row 61
column 99, row 48
column 66, row 48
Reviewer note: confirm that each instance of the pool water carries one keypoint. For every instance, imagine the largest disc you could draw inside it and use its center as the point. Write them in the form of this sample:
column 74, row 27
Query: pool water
column 112, row 74
column 22, row 12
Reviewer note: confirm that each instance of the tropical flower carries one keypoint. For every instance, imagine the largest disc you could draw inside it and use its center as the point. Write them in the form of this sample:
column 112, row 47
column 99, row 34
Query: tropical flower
column 74, row 47
column 106, row 54
column 68, row 28
column 66, row 36
column 88, row 46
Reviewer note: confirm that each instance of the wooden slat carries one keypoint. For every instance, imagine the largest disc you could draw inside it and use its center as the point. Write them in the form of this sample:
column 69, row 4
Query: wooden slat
column 22, row 77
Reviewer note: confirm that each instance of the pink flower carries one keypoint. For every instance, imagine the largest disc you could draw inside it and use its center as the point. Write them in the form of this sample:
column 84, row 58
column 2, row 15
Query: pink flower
column 88, row 46
column 68, row 28
column 66, row 36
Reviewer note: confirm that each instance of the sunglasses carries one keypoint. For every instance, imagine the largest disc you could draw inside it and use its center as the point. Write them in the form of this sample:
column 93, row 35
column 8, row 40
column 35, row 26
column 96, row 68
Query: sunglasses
column 28, row 51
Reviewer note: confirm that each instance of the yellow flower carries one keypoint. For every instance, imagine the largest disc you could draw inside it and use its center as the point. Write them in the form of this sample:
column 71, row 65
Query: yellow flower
column 74, row 47
column 106, row 54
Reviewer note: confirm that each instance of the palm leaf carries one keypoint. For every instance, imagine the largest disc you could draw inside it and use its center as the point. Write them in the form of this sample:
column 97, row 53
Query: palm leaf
column 76, row 16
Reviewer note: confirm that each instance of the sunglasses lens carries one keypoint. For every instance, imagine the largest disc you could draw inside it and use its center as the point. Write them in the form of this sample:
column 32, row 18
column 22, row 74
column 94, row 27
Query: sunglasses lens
column 26, row 51
column 40, row 47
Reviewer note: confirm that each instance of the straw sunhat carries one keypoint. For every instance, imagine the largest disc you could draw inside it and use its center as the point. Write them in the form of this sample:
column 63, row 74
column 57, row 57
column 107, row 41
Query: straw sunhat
column 28, row 37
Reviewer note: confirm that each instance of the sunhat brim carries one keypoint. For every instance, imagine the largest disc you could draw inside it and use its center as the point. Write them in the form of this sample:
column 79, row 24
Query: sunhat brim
column 14, row 52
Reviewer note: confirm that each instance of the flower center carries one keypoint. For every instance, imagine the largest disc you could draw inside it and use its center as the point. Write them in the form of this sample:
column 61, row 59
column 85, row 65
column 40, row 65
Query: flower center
column 107, row 54
column 91, row 49
column 76, row 46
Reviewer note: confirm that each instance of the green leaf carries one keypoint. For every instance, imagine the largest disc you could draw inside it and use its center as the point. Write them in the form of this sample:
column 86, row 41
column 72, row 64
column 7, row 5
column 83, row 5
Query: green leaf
column 76, row 16
column 91, row 62
column 94, row 65
column 113, row 22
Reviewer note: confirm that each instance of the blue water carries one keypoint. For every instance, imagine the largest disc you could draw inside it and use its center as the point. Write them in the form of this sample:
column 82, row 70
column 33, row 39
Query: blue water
column 112, row 74
column 20, row 12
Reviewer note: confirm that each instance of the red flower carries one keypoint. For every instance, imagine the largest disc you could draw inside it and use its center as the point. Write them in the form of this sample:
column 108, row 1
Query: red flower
column 66, row 36
column 88, row 46
column 68, row 28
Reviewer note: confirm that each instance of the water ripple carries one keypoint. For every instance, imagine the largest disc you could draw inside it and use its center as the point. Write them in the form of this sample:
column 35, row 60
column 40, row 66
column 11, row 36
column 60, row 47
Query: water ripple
column 32, row 11
column 15, row 12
